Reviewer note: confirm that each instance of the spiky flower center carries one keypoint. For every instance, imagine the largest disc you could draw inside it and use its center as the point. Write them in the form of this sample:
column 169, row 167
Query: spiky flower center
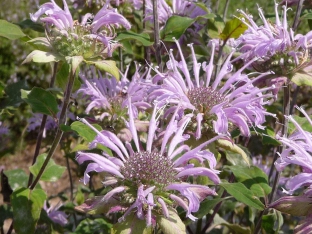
column 204, row 98
column 149, row 168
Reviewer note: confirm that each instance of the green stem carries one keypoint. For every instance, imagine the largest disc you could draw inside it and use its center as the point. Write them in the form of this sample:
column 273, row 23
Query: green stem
column 226, row 9
column 286, row 112
column 297, row 16
column 59, row 133
column 157, row 44
column 42, row 126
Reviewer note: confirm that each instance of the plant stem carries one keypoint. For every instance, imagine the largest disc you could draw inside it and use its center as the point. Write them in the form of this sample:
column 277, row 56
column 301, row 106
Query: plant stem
column 59, row 133
column 157, row 44
column 297, row 16
column 286, row 112
column 42, row 126
column 226, row 9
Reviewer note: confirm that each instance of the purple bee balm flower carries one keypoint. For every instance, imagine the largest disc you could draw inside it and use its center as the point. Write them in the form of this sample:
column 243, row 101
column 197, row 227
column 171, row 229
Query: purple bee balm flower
column 108, row 98
column 149, row 180
column 55, row 215
column 298, row 149
column 275, row 45
column 87, row 39
column 228, row 101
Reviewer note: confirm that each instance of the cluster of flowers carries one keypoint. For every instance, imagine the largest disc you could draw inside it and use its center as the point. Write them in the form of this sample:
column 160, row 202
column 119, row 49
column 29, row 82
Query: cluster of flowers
column 160, row 126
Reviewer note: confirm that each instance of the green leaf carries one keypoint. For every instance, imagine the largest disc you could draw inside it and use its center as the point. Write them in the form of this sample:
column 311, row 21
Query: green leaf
column 143, row 38
column 268, row 223
column 74, row 61
column 52, row 171
column 13, row 94
column 17, row 178
column 268, row 136
column 28, row 23
column 302, row 121
column 85, row 131
column 27, row 205
column 233, row 29
column 306, row 16
column 302, row 78
column 225, row 144
column 6, row 212
column 171, row 225
column 10, row 31
column 132, row 224
column 39, row 56
column 215, row 27
column 98, row 226
column 106, row 65
column 253, row 178
column 243, row 194
column 41, row 101
column 175, row 27
column 62, row 76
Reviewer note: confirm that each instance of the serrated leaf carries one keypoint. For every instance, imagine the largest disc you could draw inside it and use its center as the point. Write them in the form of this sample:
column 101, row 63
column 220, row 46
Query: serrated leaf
column 132, row 224
column 39, row 56
column 233, row 29
column 41, row 101
column 302, row 78
column 175, row 27
column 52, row 171
column 85, row 131
column 17, row 178
column 107, row 66
column 171, row 225
column 243, row 194
column 98, row 226
column 225, row 144
column 253, row 178
column 10, row 31
column 143, row 38
column 27, row 205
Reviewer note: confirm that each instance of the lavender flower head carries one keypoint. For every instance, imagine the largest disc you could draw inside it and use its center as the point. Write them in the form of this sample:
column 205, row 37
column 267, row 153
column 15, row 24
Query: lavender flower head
column 298, row 150
column 150, row 180
column 219, row 104
column 71, row 38
column 275, row 45
column 108, row 98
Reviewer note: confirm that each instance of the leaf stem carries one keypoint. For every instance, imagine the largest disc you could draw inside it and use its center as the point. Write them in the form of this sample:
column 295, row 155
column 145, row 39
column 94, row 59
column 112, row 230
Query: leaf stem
column 59, row 133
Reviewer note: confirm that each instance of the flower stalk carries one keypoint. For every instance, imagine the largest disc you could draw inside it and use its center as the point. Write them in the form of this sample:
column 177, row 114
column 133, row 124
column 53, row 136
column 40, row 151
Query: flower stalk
column 59, row 133
column 42, row 126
